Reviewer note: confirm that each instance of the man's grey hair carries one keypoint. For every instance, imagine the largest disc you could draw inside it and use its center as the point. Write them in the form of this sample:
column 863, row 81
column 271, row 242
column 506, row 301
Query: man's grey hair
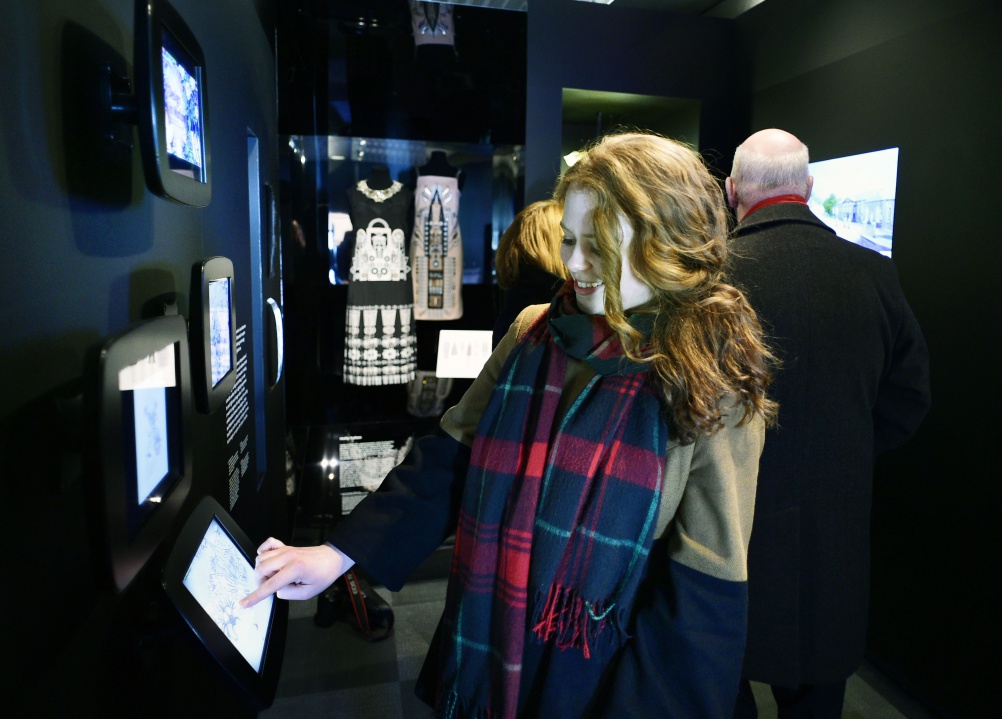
column 759, row 177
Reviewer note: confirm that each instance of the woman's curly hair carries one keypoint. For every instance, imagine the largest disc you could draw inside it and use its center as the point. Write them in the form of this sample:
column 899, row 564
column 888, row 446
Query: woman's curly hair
column 707, row 343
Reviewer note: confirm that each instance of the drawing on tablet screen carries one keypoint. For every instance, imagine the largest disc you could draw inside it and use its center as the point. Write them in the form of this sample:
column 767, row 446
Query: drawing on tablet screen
column 218, row 578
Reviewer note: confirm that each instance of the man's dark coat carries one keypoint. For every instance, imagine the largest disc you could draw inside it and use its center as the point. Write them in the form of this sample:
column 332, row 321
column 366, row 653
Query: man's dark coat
column 854, row 383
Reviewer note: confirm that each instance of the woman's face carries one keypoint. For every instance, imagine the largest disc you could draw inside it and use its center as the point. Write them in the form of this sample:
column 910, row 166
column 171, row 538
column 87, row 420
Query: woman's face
column 578, row 252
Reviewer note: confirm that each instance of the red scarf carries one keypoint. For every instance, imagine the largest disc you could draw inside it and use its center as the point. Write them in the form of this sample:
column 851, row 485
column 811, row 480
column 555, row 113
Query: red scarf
column 558, row 515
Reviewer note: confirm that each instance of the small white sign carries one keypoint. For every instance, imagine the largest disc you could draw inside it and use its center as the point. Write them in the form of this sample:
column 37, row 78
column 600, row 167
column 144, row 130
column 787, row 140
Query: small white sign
column 155, row 370
column 462, row 353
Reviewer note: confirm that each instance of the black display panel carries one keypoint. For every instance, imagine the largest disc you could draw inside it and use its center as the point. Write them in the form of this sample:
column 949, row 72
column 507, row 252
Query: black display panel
column 143, row 438
column 208, row 571
column 213, row 332
column 172, row 105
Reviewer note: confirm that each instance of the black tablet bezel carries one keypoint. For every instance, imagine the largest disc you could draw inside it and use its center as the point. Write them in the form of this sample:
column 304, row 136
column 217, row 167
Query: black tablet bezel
column 133, row 531
column 210, row 397
column 260, row 685
column 156, row 20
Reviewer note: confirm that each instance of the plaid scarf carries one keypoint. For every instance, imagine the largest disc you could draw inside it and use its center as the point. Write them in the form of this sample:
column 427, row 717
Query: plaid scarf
column 558, row 514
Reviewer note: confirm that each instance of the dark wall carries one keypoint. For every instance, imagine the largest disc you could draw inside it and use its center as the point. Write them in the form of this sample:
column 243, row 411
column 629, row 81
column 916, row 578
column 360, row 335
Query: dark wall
column 352, row 68
column 849, row 77
column 593, row 47
column 88, row 252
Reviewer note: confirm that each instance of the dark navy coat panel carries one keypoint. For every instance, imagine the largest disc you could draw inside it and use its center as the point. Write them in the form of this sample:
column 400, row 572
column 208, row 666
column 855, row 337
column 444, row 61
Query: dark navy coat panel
column 854, row 382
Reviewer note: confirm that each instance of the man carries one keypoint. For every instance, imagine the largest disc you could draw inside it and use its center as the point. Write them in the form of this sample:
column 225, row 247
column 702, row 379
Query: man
column 854, row 382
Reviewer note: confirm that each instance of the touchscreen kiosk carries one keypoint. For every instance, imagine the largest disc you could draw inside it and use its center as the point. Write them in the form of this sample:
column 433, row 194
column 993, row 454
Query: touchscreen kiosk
column 213, row 332
column 172, row 106
column 208, row 571
column 143, row 430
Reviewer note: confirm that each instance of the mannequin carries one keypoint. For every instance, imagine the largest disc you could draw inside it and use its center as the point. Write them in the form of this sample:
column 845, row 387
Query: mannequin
column 439, row 166
column 379, row 178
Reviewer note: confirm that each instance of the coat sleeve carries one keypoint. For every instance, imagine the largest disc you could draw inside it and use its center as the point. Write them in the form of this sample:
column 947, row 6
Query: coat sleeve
column 390, row 532
column 903, row 398
column 416, row 506
column 688, row 635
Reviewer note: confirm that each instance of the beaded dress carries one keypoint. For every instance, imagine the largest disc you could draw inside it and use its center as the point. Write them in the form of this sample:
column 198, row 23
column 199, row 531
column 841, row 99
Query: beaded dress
column 437, row 249
column 380, row 339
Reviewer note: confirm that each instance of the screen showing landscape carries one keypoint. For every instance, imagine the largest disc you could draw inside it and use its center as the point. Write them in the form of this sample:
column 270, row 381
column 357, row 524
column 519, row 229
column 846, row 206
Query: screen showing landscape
column 854, row 195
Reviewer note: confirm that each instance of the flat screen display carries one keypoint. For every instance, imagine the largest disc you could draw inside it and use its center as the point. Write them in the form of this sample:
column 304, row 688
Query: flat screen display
column 152, row 461
column 149, row 390
column 172, row 93
column 140, row 438
column 182, row 109
column 213, row 332
column 220, row 331
column 218, row 577
column 208, row 571
column 854, row 195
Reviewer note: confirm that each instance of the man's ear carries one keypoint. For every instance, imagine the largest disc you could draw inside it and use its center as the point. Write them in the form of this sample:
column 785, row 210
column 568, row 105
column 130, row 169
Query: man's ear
column 810, row 186
column 732, row 193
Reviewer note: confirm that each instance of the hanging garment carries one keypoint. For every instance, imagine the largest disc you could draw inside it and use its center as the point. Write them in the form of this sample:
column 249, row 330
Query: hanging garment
column 380, row 340
column 437, row 249
column 431, row 23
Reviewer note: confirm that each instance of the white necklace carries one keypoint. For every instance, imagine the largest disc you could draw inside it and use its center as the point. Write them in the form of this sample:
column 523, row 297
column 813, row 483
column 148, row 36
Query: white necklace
column 378, row 195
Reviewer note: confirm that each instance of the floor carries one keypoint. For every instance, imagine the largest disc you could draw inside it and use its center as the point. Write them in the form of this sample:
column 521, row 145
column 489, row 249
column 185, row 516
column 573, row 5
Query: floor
column 334, row 671
column 868, row 695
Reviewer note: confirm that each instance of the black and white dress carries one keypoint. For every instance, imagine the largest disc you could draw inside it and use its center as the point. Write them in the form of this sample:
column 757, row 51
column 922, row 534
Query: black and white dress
column 380, row 340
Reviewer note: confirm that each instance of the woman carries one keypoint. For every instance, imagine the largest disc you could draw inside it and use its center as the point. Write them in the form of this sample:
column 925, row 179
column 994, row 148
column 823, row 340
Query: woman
column 599, row 566
column 528, row 264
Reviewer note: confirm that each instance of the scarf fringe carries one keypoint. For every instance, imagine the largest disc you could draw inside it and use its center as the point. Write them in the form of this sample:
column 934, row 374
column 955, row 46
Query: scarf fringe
column 570, row 621
column 452, row 706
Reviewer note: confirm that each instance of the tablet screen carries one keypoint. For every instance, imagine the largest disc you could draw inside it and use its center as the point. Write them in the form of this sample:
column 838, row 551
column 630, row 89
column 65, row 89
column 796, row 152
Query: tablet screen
column 218, row 577
column 209, row 570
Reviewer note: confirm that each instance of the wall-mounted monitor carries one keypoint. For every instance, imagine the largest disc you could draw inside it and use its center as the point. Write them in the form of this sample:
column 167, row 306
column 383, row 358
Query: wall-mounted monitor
column 172, row 105
column 213, row 332
column 143, row 439
column 854, row 195
column 208, row 571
